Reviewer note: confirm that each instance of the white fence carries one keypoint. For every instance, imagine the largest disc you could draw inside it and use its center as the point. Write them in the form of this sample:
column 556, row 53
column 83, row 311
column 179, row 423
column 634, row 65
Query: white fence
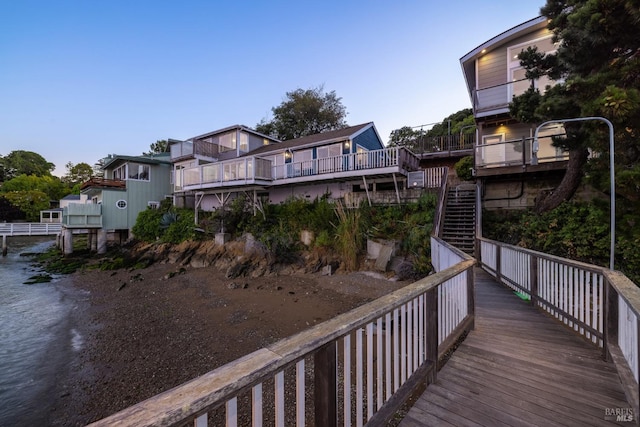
column 599, row 304
column 29, row 229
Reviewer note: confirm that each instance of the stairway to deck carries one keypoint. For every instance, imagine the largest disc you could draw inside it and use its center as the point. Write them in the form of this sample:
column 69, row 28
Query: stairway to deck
column 519, row 367
column 459, row 225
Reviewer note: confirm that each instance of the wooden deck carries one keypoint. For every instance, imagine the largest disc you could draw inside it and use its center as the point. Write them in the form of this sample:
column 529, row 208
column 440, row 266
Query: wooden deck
column 519, row 367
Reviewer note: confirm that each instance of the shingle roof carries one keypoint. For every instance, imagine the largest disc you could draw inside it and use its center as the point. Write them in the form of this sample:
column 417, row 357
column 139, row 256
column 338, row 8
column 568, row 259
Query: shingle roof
column 317, row 139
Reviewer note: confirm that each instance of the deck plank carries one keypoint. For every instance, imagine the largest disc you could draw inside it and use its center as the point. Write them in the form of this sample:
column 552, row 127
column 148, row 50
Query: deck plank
column 519, row 367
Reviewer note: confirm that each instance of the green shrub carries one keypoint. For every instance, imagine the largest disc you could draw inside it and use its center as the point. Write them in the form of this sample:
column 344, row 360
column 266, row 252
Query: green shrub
column 173, row 226
column 464, row 168
column 574, row 230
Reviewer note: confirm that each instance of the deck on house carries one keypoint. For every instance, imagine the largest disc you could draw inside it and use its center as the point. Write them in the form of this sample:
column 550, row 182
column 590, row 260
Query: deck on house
column 519, row 367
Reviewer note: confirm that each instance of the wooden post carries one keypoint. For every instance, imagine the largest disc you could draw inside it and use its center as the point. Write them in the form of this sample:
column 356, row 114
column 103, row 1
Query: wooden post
column 326, row 406
column 431, row 342
column 5, row 249
column 533, row 269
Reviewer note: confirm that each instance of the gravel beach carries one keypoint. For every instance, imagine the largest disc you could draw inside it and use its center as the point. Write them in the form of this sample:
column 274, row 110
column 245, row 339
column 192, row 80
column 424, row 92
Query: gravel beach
column 138, row 333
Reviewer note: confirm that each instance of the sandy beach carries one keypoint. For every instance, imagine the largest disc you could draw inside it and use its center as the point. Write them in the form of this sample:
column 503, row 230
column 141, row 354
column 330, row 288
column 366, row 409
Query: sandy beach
column 140, row 332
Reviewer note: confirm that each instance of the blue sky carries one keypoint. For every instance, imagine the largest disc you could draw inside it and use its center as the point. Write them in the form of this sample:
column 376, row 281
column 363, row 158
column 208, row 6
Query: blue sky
column 82, row 79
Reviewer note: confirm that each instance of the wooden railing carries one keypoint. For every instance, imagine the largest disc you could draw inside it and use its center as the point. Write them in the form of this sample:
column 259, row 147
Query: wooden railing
column 599, row 304
column 442, row 202
column 355, row 368
column 29, row 229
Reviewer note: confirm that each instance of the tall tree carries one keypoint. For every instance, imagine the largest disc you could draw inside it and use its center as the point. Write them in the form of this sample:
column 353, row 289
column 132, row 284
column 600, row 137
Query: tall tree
column 404, row 137
column 160, row 146
column 77, row 174
column 597, row 65
column 52, row 186
column 20, row 162
column 305, row 112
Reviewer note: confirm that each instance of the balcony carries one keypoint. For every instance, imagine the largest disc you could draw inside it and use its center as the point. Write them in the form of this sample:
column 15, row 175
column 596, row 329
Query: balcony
column 194, row 149
column 516, row 156
column 261, row 171
column 444, row 145
column 82, row 215
column 496, row 99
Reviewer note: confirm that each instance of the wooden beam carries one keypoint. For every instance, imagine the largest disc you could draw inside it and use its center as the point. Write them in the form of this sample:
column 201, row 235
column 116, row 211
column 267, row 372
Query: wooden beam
column 325, row 383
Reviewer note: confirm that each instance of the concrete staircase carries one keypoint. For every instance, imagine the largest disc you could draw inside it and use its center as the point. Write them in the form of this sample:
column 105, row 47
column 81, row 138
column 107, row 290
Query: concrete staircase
column 459, row 223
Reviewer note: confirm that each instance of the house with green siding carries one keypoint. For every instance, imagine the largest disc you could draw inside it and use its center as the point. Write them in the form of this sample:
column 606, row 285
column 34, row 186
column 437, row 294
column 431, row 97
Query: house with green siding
column 130, row 185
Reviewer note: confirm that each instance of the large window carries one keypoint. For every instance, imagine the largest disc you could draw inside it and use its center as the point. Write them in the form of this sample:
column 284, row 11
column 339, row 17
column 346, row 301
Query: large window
column 517, row 73
column 138, row 171
column 227, row 141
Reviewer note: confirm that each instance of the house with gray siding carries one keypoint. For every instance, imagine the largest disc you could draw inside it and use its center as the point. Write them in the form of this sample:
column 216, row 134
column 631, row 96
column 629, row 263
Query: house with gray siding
column 506, row 157
column 350, row 164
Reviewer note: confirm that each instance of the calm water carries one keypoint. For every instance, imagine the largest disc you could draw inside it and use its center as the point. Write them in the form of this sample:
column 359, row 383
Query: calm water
column 35, row 337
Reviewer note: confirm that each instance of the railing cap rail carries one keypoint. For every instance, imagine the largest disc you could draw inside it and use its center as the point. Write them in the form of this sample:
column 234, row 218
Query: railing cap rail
column 583, row 265
column 628, row 290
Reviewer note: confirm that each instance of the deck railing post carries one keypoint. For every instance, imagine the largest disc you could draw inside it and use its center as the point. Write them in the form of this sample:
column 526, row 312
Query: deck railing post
column 431, row 343
column 471, row 298
column 533, row 277
column 498, row 253
column 325, row 393
column 610, row 330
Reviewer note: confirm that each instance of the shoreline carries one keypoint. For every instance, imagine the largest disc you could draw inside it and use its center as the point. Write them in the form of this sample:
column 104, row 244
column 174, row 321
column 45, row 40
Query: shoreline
column 146, row 331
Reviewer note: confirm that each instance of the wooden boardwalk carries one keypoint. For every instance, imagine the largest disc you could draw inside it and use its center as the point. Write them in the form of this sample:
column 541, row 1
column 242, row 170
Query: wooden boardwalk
column 519, row 367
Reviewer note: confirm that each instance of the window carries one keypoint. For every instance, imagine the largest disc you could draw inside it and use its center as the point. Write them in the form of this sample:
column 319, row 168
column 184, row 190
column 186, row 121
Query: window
column 121, row 204
column 138, row 171
column 120, row 172
column 244, row 142
column 517, row 72
column 227, row 141
column 303, row 163
column 153, row 205
column 329, row 158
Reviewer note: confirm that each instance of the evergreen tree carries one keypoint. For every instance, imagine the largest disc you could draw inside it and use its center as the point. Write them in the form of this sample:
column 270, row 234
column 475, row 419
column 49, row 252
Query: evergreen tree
column 597, row 67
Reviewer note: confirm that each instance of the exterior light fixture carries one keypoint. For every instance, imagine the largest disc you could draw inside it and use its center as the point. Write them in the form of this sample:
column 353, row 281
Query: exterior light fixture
column 347, row 144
